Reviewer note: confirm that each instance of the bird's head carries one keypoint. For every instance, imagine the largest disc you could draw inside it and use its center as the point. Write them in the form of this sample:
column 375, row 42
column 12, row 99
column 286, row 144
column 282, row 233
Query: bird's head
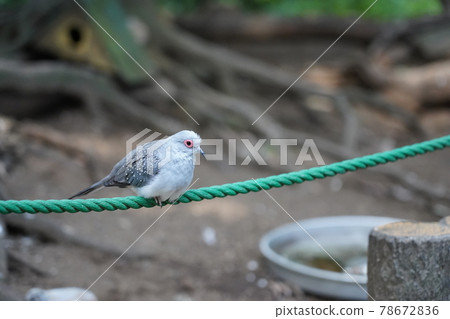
column 188, row 141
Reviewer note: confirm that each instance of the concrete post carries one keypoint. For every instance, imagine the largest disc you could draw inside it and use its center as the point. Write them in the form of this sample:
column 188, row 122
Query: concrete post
column 410, row 261
column 3, row 257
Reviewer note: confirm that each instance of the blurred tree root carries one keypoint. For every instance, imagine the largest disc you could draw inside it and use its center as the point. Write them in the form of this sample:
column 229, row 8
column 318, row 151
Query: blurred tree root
column 95, row 90
column 50, row 230
column 10, row 153
column 98, row 91
column 224, row 25
column 228, row 65
column 56, row 140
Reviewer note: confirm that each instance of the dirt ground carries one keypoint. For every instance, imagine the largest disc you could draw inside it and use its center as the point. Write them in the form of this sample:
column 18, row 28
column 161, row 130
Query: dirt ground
column 180, row 263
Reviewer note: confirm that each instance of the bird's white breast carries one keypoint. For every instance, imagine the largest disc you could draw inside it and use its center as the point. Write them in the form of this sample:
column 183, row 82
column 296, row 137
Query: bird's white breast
column 172, row 180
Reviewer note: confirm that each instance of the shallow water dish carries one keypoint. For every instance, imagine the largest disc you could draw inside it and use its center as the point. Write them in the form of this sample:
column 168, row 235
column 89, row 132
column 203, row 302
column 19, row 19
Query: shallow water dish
column 298, row 258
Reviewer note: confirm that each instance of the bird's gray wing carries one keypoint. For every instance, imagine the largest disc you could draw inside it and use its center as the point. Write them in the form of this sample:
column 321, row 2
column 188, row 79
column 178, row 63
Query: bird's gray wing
column 137, row 168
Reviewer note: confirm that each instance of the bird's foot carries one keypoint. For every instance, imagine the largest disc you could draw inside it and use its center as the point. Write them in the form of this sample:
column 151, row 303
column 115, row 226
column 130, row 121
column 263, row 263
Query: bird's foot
column 158, row 201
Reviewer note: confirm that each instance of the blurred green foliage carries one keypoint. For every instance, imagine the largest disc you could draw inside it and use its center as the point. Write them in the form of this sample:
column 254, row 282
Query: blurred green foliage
column 11, row 3
column 382, row 10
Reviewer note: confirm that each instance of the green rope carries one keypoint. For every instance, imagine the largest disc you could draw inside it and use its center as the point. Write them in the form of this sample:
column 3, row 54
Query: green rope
column 297, row 177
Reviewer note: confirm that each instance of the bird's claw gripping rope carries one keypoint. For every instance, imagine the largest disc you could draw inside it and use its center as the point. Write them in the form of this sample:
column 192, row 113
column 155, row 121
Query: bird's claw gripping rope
column 244, row 187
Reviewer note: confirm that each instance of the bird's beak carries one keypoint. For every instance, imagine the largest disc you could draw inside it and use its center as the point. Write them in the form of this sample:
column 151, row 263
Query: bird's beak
column 202, row 153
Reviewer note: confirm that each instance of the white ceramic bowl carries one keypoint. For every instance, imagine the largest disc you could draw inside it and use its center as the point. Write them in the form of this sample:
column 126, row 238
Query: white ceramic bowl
column 294, row 254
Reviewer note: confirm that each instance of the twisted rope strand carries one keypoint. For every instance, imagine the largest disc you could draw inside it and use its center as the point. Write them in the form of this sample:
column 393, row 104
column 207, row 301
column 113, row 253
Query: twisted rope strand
column 244, row 187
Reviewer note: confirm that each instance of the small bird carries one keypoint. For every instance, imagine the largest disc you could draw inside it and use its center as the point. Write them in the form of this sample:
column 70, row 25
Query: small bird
column 162, row 169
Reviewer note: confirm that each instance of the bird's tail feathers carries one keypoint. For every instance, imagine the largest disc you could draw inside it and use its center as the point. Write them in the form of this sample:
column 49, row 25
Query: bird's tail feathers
column 93, row 187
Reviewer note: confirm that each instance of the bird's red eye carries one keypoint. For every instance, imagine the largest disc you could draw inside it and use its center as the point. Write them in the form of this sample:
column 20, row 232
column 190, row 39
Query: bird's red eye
column 188, row 143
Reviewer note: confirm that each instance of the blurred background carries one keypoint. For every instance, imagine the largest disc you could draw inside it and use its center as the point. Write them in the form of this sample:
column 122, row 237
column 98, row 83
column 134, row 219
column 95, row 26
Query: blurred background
column 70, row 98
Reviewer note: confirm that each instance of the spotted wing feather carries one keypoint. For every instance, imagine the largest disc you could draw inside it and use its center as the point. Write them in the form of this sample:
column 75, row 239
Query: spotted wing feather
column 136, row 169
